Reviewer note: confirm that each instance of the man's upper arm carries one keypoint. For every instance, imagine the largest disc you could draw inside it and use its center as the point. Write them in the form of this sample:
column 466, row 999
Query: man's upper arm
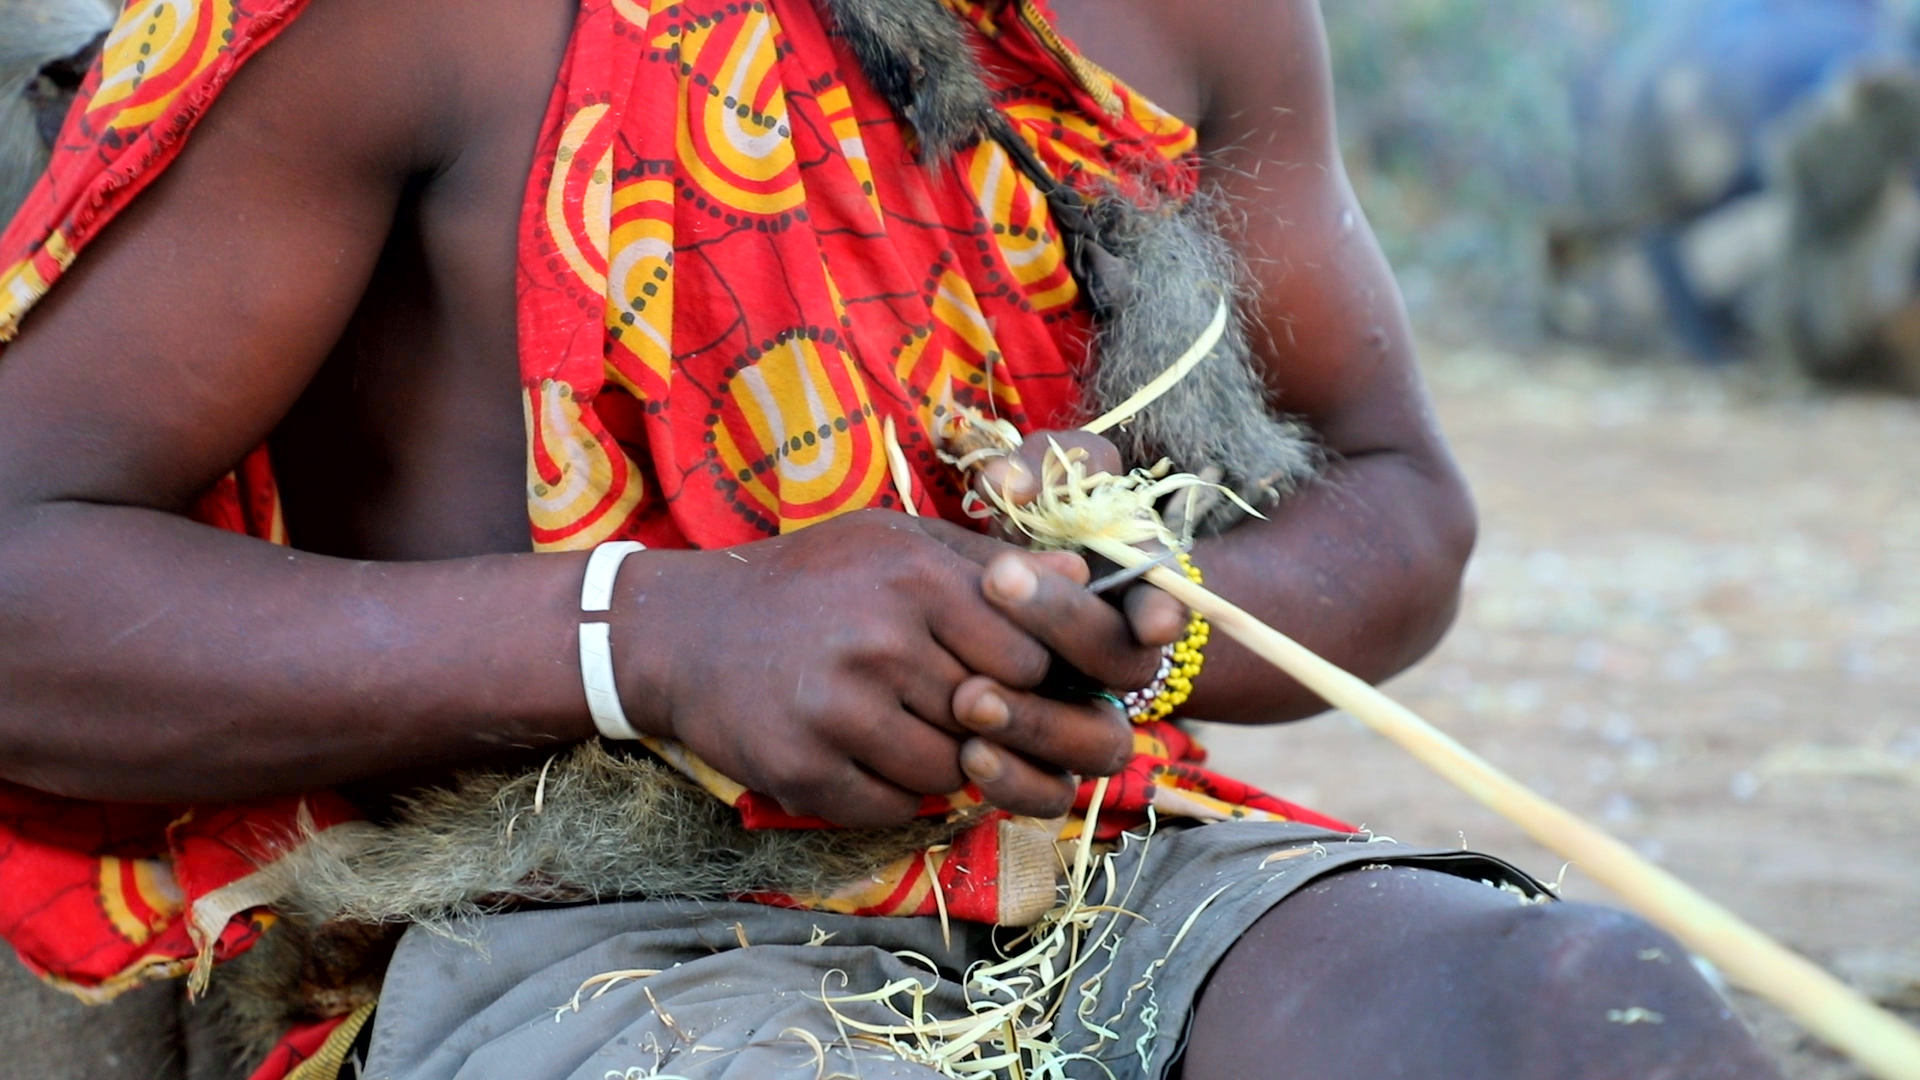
column 1341, row 352
column 187, row 329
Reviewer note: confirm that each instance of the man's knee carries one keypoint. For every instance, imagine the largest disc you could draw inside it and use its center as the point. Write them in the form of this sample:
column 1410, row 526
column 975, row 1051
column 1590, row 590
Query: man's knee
column 1535, row 956
column 1572, row 945
column 1474, row 980
column 1583, row 982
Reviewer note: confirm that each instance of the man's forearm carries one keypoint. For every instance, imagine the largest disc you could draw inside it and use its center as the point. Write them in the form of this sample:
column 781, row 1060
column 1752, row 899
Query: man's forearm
column 1363, row 567
column 148, row 658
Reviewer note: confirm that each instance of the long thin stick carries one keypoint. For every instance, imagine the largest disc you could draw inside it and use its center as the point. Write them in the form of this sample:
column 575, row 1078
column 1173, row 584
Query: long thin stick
column 1876, row 1039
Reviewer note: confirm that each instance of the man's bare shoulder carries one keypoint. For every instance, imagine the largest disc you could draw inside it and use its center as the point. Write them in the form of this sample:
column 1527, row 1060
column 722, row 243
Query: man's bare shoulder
column 1266, row 71
column 1233, row 68
column 243, row 264
column 410, row 83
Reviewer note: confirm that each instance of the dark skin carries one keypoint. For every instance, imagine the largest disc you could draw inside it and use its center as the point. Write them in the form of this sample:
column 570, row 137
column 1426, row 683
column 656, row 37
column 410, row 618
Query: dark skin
column 330, row 265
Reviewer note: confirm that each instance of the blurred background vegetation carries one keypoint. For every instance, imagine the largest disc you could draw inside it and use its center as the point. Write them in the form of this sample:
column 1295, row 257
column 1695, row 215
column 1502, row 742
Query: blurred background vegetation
column 1458, row 122
column 1460, row 130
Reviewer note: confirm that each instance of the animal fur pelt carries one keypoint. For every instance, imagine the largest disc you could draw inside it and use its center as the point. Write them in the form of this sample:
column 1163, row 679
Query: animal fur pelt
column 1218, row 418
column 591, row 825
column 45, row 46
column 916, row 54
column 297, row 973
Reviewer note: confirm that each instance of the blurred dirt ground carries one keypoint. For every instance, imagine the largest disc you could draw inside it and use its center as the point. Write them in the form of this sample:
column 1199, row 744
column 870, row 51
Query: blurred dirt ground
column 1694, row 617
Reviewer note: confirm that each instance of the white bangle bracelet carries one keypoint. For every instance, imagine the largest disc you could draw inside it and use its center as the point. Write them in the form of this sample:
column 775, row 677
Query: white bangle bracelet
column 596, row 641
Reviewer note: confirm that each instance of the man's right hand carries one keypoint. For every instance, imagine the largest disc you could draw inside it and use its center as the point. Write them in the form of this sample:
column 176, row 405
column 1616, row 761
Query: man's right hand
column 850, row 668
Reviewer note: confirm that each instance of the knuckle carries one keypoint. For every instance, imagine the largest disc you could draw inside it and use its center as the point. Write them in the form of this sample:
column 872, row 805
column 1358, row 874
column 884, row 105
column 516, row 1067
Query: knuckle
column 942, row 777
column 801, row 781
column 812, row 706
column 1027, row 663
column 868, row 642
column 854, row 728
column 924, row 570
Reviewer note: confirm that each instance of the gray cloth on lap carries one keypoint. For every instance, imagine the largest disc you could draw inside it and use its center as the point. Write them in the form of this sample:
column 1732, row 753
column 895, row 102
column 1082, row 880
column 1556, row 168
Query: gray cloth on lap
column 490, row 1006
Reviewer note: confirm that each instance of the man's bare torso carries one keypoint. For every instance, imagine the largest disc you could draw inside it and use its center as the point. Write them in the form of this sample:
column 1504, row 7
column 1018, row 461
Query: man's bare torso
column 409, row 443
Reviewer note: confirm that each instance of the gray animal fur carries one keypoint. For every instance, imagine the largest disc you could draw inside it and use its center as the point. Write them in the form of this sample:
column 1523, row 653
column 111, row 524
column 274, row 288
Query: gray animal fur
column 607, row 826
column 1220, row 416
column 296, row 973
column 34, row 34
column 916, row 54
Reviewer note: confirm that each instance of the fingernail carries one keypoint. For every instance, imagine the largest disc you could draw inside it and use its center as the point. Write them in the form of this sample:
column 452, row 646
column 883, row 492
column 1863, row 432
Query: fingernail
column 981, row 762
column 1020, row 480
column 994, row 473
column 1012, row 580
column 989, row 713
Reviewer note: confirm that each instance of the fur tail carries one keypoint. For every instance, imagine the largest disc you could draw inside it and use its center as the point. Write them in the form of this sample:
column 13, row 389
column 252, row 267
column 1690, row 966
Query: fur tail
column 1219, row 420
column 917, row 55
column 591, row 825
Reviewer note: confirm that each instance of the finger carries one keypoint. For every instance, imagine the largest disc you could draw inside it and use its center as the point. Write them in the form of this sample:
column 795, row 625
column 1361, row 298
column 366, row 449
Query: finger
column 983, row 549
column 843, row 793
column 1010, row 476
column 986, row 642
column 1018, row 477
column 980, row 637
column 1086, row 631
column 907, row 752
column 1007, row 781
column 1156, row 618
column 1091, row 738
column 1096, row 452
column 926, row 685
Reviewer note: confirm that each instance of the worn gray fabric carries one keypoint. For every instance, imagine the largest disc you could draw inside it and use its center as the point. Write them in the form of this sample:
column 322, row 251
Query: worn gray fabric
column 490, row 1007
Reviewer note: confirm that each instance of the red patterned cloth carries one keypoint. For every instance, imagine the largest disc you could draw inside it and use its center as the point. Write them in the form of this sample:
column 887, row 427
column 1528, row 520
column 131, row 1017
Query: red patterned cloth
column 733, row 271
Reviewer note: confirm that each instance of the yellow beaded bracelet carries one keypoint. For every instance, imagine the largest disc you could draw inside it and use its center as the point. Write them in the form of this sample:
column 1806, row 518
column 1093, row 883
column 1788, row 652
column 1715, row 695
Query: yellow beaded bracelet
column 1180, row 664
